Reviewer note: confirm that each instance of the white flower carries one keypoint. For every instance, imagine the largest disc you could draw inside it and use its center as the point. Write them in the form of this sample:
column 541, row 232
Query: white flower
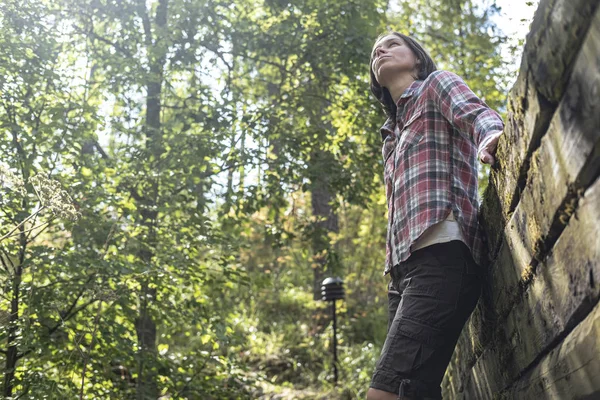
column 53, row 197
column 12, row 181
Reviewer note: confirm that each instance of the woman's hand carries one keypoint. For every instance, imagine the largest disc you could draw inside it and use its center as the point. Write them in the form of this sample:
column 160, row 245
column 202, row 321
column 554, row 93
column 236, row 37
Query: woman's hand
column 488, row 148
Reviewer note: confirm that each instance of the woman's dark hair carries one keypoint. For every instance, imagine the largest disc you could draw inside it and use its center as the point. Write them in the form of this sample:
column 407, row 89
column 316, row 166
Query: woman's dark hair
column 426, row 67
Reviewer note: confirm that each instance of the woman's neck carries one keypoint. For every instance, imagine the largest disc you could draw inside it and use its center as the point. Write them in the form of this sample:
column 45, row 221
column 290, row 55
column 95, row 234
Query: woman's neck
column 399, row 85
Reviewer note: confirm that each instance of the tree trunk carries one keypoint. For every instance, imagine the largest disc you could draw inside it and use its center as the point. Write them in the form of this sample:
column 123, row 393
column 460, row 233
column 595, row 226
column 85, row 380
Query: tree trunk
column 147, row 385
column 230, row 172
column 327, row 221
column 12, row 351
column 13, row 321
column 145, row 327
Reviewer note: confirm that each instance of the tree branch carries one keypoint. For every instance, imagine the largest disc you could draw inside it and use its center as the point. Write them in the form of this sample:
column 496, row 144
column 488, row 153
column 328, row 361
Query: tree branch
column 71, row 310
column 180, row 391
column 71, row 313
column 93, row 35
column 100, row 150
column 12, row 264
column 54, row 283
column 145, row 22
column 27, row 230
column 22, row 222
column 31, row 239
column 4, row 264
column 87, row 356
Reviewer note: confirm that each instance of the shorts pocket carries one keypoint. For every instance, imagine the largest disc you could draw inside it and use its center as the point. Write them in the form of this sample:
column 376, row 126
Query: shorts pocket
column 414, row 346
column 402, row 350
column 421, row 332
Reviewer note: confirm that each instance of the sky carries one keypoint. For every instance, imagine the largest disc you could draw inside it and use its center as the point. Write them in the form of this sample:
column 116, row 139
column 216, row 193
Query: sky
column 515, row 16
column 514, row 19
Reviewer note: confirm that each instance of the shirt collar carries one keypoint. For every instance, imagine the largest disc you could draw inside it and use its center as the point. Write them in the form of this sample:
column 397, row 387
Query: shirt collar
column 388, row 128
column 390, row 124
column 410, row 90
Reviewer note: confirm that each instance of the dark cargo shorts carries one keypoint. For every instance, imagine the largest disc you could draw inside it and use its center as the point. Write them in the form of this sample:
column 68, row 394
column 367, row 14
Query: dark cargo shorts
column 431, row 295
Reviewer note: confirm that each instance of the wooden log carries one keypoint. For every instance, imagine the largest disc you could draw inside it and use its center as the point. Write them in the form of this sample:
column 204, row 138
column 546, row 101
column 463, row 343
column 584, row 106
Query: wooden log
column 570, row 371
column 493, row 219
column 579, row 112
column 557, row 33
column 538, row 309
column 556, row 36
column 505, row 274
column 527, row 120
column 565, row 163
column 559, row 297
column 561, row 169
column 468, row 349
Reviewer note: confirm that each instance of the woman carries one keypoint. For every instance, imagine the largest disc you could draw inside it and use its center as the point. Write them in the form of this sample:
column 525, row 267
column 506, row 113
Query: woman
column 436, row 131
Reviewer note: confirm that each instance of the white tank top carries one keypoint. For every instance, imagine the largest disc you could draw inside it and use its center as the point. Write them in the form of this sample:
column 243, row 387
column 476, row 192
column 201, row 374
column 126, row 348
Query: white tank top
column 441, row 232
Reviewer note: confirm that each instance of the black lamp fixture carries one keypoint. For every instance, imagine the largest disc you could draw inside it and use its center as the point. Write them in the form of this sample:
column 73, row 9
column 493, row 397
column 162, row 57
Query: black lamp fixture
column 332, row 289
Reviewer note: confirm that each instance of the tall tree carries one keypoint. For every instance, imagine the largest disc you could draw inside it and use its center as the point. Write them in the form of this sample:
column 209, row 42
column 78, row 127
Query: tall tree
column 41, row 117
column 147, row 58
column 297, row 79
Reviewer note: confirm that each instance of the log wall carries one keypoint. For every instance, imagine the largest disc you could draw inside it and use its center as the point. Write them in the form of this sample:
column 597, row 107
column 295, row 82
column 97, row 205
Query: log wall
column 535, row 333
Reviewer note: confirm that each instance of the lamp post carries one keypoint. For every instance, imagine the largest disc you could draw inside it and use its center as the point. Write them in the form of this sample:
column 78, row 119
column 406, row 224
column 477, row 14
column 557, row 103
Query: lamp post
column 332, row 289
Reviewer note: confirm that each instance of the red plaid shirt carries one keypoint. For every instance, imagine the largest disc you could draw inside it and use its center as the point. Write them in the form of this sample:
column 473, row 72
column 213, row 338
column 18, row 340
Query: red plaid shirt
column 430, row 158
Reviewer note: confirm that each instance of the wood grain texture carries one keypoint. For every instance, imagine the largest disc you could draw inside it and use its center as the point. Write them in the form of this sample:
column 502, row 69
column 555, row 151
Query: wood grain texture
column 570, row 371
column 561, row 295
column 543, row 281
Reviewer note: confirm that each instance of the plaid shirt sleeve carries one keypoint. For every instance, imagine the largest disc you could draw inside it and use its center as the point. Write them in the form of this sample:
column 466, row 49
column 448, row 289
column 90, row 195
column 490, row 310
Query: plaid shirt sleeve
column 465, row 111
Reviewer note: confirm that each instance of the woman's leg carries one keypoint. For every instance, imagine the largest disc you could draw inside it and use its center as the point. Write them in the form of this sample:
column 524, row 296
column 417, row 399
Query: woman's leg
column 394, row 297
column 438, row 293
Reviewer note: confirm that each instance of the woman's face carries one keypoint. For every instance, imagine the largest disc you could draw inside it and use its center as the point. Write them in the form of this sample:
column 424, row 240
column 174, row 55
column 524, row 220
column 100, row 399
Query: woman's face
column 390, row 57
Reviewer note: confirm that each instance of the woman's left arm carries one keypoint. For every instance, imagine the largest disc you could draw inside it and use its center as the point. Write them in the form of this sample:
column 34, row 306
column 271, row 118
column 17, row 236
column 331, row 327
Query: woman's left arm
column 467, row 112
